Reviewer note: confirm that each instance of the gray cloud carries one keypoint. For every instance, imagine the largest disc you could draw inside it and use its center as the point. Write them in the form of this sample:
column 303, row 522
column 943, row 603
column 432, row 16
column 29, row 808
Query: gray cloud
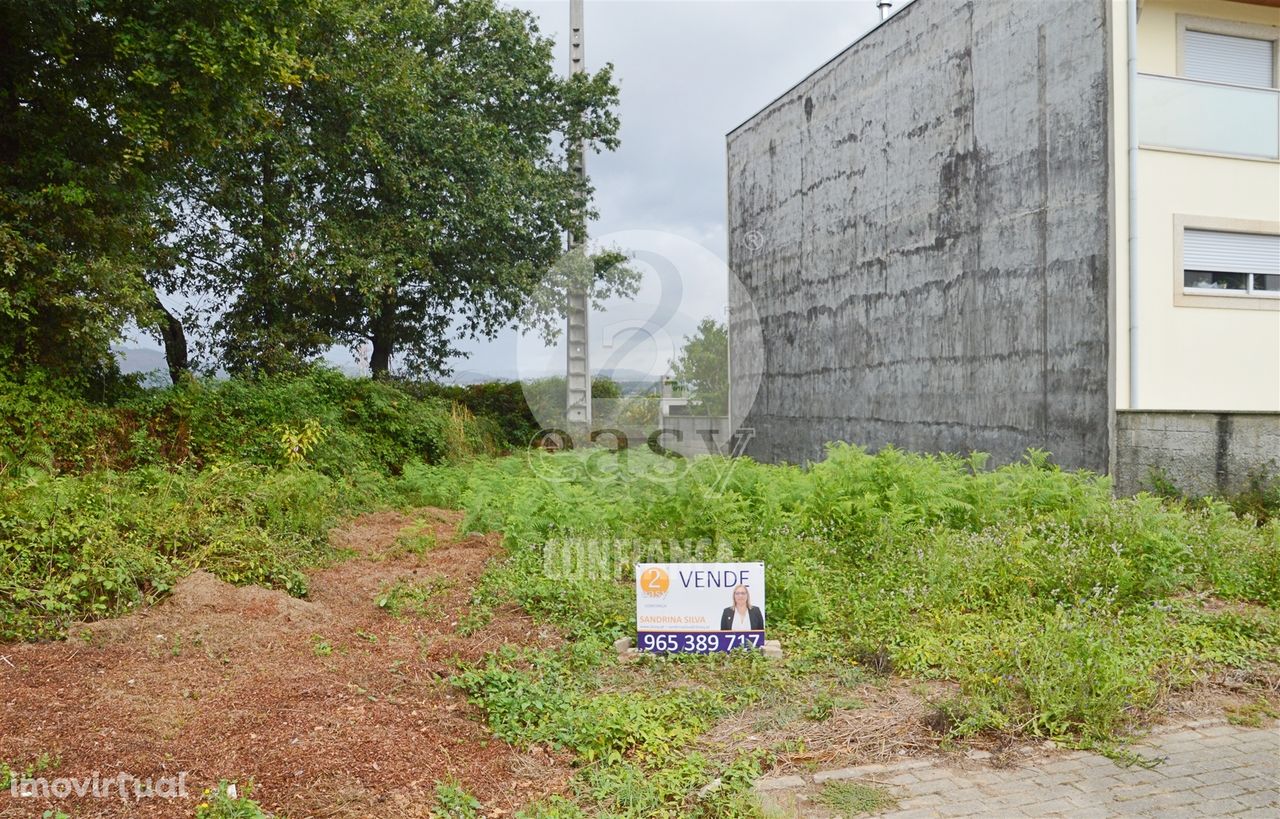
column 689, row 72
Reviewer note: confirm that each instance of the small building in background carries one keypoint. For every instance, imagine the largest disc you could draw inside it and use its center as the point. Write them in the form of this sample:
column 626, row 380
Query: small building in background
column 935, row 231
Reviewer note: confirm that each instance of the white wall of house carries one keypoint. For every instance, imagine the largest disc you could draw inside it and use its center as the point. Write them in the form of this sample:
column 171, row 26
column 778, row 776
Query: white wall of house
column 1202, row 350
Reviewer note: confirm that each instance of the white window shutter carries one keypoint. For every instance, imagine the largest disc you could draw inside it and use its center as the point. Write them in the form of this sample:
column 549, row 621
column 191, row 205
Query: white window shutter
column 1226, row 59
column 1222, row 252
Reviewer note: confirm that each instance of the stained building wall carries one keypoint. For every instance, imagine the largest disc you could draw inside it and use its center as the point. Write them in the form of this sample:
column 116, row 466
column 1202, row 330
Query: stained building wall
column 1198, row 453
column 922, row 226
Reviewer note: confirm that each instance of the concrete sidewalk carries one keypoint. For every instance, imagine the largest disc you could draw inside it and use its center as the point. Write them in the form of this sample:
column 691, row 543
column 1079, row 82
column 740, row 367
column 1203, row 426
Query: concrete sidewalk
column 1210, row 768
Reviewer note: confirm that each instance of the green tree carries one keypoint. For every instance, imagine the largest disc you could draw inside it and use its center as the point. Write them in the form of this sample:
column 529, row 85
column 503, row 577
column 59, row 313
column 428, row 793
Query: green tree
column 413, row 188
column 102, row 102
column 703, row 365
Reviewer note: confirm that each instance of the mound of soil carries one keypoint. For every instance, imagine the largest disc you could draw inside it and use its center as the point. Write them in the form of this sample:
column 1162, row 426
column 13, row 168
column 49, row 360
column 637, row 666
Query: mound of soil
column 203, row 610
column 331, row 705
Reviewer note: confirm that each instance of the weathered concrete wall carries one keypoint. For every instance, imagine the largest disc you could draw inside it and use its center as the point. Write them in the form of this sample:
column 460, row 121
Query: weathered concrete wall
column 690, row 434
column 1201, row 453
column 922, row 225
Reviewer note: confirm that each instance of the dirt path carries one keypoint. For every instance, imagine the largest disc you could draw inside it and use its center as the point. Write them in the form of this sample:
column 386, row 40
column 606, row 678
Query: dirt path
column 332, row 705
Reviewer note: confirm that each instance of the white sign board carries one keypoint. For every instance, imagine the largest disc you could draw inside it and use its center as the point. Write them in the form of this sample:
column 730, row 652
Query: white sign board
column 699, row 607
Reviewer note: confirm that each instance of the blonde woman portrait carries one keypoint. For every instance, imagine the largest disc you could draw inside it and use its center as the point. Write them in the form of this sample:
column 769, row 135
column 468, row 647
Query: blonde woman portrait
column 742, row 616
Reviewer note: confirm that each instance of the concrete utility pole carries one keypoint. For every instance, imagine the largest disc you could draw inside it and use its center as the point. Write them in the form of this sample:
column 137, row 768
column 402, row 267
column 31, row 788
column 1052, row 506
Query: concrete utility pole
column 577, row 303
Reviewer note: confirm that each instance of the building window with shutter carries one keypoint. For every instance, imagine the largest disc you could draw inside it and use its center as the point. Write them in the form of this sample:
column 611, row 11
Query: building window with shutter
column 1228, row 52
column 1230, row 263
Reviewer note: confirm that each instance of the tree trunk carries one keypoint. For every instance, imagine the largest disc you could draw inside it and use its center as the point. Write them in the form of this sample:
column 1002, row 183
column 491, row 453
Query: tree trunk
column 175, row 341
column 384, row 326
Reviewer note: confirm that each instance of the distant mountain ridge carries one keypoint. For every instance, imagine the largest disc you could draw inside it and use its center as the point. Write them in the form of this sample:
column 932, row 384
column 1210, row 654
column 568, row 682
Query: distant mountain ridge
column 151, row 361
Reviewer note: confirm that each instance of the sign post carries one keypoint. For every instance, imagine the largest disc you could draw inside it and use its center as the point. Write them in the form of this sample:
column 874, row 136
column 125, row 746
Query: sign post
column 699, row 608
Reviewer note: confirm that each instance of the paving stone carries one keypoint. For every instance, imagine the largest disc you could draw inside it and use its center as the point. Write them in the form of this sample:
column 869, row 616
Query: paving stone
column 1058, row 807
column 931, row 773
column 1221, row 807
column 848, row 773
column 1183, row 812
column 1224, row 791
column 1260, row 783
column 972, row 807
column 1217, row 769
column 941, row 785
column 1258, row 799
column 912, row 765
column 1220, row 731
column 906, row 779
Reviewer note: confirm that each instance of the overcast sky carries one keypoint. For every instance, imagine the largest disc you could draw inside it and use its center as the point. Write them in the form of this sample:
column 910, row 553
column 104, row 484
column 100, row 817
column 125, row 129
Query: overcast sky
column 688, row 73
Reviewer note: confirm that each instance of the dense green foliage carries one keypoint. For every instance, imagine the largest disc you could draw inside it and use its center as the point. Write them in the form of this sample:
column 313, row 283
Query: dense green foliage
column 1259, row 498
column 503, row 402
column 703, row 365
column 519, row 410
column 414, row 184
column 92, row 546
column 1059, row 610
column 1054, row 609
column 103, row 507
column 363, row 425
column 104, row 104
column 380, row 174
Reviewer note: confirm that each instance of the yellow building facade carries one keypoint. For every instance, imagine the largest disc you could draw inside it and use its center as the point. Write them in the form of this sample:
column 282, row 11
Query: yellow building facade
column 1202, row 330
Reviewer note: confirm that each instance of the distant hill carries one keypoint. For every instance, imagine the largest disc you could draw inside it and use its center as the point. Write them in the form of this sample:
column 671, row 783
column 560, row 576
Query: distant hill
column 146, row 360
column 140, row 360
column 632, row 381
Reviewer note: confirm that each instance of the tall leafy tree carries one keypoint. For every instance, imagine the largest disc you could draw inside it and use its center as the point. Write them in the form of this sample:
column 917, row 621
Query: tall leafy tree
column 101, row 103
column 413, row 188
column 703, row 364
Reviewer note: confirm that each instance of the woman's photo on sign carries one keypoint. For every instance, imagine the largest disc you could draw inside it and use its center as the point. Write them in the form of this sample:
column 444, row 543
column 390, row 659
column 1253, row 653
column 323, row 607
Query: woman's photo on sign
column 741, row 615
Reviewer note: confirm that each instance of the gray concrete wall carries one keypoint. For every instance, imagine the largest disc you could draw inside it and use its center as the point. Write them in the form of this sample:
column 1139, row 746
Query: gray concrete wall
column 923, row 227
column 690, row 434
column 1200, row 453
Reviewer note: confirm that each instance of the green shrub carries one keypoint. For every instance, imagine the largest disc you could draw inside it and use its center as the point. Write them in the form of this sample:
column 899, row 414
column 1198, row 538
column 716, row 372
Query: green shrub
column 95, row 545
column 347, row 423
column 220, row 804
column 453, row 802
column 1059, row 609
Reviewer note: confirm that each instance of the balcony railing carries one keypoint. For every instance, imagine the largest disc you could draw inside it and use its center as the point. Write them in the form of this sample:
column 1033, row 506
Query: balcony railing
column 1193, row 115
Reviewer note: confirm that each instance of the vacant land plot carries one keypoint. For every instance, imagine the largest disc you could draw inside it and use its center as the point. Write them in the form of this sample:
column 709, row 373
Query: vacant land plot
column 337, row 705
column 929, row 609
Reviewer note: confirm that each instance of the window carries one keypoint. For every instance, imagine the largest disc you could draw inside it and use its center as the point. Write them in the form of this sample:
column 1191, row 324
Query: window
column 1227, row 59
column 1216, row 262
column 1228, row 52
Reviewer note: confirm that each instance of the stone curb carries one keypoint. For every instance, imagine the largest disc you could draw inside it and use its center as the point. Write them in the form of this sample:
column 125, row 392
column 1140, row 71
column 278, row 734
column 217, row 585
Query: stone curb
column 793, row 781
column 777, row 783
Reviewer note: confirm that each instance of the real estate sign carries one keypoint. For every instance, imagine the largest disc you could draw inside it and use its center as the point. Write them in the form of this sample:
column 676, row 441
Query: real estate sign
column 698, row 608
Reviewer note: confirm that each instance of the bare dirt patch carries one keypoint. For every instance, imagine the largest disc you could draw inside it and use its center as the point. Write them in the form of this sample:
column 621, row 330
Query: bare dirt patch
column 331, row 705
column 875, row 722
